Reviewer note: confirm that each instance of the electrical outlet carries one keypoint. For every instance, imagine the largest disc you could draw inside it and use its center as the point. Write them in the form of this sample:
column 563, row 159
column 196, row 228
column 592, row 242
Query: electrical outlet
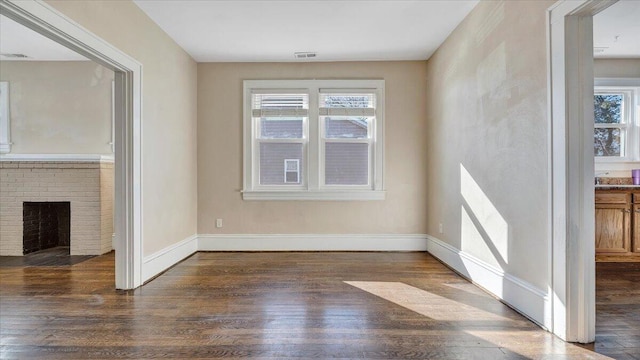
column 218, row 223
column 441, row 228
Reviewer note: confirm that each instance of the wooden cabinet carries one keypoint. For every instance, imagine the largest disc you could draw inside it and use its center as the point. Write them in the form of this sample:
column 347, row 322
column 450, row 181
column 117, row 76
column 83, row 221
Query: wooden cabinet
column 617, row 221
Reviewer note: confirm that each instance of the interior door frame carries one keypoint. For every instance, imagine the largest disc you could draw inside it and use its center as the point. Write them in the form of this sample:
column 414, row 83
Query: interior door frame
column 572, row 198
column 44, row 19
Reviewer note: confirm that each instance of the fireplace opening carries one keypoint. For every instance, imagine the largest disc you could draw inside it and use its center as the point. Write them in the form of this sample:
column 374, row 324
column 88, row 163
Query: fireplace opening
column 46, row 225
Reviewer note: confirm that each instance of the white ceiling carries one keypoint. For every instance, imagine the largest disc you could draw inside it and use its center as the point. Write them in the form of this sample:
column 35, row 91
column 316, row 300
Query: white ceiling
column 271, row 31
column 18, row 39
column 616, row 31
column 267, row 30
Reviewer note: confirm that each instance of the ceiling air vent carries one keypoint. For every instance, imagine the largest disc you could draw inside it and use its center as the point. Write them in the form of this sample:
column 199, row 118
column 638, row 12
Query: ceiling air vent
column 14, row 56
column 305, row 55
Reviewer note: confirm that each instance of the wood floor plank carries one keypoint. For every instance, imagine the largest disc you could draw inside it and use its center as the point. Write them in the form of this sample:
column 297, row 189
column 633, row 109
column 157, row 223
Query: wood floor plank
column 281, row 305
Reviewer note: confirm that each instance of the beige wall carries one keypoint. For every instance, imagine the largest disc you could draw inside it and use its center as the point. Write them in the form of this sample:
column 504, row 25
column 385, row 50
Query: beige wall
column 487, row 134
column 169, row 169
column 613, row 68
column 220, row 154
column 59, row 107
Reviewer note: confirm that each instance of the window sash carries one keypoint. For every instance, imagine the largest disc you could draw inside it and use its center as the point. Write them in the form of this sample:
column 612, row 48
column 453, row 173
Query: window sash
column 370, row 164
column 302, row 185
column 623, row 143
column 369, row 139
column 628, row 126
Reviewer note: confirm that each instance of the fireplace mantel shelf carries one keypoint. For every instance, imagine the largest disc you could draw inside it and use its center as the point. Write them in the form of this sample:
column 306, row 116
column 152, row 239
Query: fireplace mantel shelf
column 57, row 157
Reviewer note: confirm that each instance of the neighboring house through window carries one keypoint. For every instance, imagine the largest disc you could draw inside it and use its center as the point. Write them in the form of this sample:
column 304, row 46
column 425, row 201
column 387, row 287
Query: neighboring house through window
column 313, row 139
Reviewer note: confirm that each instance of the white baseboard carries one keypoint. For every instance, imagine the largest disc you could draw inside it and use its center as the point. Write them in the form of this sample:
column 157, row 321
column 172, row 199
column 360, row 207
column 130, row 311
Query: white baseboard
column 312, row 242
column 160, row 261
column 527, row 299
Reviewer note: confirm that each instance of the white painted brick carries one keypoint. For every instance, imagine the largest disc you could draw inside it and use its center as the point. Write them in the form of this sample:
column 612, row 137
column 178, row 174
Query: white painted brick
column 85, row 185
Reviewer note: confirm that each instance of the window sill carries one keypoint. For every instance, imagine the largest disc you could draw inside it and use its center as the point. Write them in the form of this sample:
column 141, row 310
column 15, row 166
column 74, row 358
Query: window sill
column 333, row 195
column 615, row 165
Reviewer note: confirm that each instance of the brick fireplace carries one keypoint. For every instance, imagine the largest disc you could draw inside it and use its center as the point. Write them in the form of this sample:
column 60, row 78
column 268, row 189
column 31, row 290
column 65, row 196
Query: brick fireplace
column 84, row 187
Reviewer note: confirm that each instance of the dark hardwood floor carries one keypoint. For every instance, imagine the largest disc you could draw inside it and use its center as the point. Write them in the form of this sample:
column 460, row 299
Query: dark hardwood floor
column 268, row 305
column 618, row 309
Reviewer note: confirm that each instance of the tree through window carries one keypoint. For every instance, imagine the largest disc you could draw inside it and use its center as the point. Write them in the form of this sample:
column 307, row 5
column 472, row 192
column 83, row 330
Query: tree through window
column 610, row 125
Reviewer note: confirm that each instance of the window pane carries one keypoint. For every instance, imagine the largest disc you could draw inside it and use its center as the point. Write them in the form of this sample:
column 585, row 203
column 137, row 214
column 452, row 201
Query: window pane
column 346, row 164
column 281, row 128
column 272, row 164
column 608, row 108
column 346, row 127
column 607, row 142
column 347, row 100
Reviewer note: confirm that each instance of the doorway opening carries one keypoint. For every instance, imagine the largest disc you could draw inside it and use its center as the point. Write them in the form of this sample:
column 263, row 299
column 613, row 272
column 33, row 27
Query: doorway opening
column 46, row 21
column 572, row 199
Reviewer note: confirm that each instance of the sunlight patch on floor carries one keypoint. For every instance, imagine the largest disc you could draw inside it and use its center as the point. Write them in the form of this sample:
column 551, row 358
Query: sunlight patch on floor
column 508, row 334
column 425, row 303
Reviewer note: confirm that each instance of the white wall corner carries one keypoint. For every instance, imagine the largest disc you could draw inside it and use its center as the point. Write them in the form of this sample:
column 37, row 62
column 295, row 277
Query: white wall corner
column 154, row 264
column 312, row 242
column 522, row 296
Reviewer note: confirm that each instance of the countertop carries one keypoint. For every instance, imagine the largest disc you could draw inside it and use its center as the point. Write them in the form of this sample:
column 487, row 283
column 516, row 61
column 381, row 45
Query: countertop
column 617, row 187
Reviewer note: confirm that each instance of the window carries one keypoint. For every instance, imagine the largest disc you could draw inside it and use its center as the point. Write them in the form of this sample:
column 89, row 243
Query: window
column 292, row 171
column 5, row 124
column 616, row 129
column 313, row 139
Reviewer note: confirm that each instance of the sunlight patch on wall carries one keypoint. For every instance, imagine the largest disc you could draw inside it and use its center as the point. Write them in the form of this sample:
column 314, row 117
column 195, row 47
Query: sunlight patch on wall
column 481, row 222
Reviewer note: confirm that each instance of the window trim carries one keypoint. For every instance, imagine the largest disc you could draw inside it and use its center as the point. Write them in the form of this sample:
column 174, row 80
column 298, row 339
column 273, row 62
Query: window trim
column 312, row 185
column 627, row 126
column 5, row 119
column 630, row 88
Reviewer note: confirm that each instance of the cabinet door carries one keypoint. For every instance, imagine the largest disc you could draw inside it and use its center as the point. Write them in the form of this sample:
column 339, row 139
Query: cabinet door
column 613, row 228
column 636, row 228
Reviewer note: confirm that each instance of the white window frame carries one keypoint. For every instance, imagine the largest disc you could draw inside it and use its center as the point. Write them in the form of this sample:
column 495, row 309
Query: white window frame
column 5, row 119
column 630, row 88
column 323, row 140
column 312, row 186
column 628, row 126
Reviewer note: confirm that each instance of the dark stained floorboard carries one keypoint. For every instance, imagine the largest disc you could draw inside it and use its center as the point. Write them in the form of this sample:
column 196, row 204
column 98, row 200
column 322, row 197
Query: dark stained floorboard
column 618, row 309
column 271, row 306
